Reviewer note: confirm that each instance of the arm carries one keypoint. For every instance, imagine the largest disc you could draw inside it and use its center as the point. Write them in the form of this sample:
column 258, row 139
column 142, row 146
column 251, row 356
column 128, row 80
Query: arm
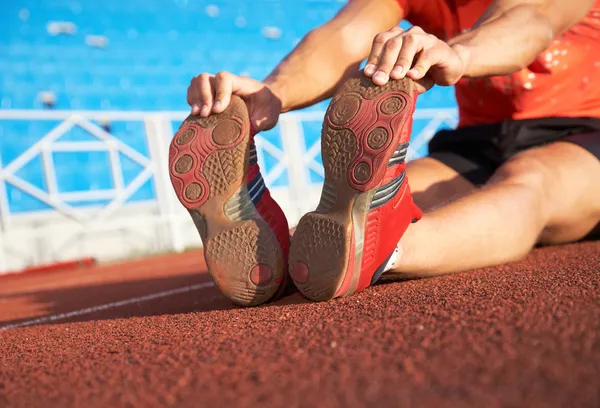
column 309, row 74
column 330, row 54
column 507, row 37
column 511, row 33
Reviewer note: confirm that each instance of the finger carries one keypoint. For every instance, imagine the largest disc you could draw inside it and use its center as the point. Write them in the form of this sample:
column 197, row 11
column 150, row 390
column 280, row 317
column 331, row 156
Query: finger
column 424, row 84
column 415, row 30
column 244, row 86
column 192, row 97
column 223, row 89
column 387, row 60
column 422, row 65
column 376, row 49
column 425, row 60
column 401, row 67
column 206, row 94
column 412, row 43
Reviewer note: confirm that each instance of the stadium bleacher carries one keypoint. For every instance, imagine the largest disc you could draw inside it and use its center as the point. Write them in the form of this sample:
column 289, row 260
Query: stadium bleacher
column 153, row 49
column 136, row 55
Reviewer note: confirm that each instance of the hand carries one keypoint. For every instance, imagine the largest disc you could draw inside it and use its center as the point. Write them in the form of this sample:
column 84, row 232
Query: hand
column 413, row 53
column 212, row 93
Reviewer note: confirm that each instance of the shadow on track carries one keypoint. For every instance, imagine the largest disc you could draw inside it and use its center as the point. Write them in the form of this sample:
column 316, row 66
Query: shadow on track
column 168, row 295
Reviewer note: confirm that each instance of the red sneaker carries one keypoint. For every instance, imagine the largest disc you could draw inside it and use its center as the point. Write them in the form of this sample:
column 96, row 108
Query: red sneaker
column 366, row 204
column 215, row 176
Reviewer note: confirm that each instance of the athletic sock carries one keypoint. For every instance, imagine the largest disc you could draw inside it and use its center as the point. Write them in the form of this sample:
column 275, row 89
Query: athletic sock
column 394, row 259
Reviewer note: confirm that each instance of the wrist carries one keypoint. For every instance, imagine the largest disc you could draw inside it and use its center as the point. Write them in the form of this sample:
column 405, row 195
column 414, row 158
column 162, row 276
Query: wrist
column 277, row 89
column 464, row 53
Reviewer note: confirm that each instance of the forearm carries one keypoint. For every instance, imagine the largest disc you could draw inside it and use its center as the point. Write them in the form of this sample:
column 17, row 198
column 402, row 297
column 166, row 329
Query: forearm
column 311, row 72
column 511, row 33
column 504, row 43
column 330, row 54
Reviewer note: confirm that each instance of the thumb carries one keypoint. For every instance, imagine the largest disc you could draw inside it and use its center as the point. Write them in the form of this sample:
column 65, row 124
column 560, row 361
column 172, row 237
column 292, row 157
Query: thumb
column 264, row 108
column 424, row 84
column 244, row 86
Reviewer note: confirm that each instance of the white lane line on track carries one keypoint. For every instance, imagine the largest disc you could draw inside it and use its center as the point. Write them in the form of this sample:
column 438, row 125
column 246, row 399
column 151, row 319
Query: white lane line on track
column 112, row 305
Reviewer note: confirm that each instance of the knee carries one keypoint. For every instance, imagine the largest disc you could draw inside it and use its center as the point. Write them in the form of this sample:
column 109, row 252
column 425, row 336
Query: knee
column 531, row 181
column 527, row 172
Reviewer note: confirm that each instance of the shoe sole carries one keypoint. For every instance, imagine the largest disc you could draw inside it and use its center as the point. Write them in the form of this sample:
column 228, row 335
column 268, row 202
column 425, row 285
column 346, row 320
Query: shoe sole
column 360, row 133
column 208, row 163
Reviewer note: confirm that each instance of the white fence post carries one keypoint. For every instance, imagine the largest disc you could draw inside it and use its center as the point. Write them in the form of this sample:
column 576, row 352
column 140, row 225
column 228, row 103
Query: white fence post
column 292, row 139
column 159, row 132
column 4, row 218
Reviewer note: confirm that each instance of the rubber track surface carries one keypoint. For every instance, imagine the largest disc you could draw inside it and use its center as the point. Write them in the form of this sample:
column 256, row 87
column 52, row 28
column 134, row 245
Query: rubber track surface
column 525, row 334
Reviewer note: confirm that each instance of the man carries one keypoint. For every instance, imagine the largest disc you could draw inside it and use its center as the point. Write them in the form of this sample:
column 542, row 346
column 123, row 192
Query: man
column 522, row 167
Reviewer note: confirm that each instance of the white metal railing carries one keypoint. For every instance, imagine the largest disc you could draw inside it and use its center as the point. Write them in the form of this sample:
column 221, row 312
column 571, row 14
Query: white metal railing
column 68, row 231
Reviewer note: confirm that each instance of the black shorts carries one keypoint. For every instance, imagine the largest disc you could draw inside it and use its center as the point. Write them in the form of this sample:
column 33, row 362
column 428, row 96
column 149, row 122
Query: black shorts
column 477, row 151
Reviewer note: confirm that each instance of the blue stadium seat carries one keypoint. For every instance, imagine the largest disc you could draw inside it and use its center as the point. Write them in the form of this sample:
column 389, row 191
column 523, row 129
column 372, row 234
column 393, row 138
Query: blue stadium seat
column 154, row 44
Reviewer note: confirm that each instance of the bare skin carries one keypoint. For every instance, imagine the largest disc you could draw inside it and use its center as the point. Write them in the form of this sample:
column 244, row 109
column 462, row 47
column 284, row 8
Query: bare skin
column 546, row 195
column 529, row 199
column 433, row 184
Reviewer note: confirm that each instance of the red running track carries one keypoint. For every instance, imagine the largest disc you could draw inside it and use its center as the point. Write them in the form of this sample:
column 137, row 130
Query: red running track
column 157, row 333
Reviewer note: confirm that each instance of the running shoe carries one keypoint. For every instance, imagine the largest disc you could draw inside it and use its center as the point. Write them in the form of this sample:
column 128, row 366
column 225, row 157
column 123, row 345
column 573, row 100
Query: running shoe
column 366, row 204
column 215, row 174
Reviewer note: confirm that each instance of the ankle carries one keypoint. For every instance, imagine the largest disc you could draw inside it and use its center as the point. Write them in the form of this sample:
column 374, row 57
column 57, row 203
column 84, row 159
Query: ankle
column 416, row 251
column 394, row 261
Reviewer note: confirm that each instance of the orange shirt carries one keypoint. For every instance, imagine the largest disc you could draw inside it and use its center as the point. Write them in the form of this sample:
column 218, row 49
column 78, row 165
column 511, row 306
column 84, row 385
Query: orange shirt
column 564, row 80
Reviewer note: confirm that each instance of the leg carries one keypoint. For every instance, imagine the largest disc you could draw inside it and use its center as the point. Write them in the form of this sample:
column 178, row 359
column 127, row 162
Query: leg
column 434, row 184
column 549, row 193
column 344, row 245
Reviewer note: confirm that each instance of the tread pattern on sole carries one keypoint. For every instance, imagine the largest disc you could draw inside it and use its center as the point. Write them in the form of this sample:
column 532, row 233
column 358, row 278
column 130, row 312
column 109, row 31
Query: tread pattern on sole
column 223, row 168
column 341, row 151
column 374, row 127
column 207, row 155
column 232, row 255
column 320, row 243
column 365, row 87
